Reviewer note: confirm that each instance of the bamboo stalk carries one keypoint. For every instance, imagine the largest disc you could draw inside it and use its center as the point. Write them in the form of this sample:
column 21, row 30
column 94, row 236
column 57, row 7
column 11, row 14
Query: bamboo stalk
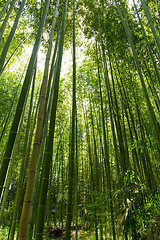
column 10, row 37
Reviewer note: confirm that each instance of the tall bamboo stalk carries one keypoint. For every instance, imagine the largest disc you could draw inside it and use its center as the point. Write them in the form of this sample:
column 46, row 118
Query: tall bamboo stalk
column 72, row 158
column 27, row 201
column 10, row 37
column 97, row 179
column 76, row 178
column 11, row 167
column 12, row 54
column 19, row 109
column 4, row 9
column 148, row 45
column 148, row 15
column 3, row 26
column 49, row 143
column 148, row 102
column 93, row 179
column 23, row 165
column 11, row 108
column 116, row 115
column 106, row 149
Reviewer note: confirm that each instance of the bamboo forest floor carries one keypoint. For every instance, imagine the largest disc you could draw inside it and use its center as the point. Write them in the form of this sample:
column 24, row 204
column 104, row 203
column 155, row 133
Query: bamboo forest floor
column 59, row 233
column 55, row 234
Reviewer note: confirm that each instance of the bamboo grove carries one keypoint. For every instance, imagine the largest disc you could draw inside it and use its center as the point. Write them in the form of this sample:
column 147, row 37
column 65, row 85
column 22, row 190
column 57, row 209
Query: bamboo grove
column 80, row 151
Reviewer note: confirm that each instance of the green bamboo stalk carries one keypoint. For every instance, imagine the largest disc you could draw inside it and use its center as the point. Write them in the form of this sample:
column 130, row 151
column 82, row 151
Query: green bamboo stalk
column 12, row 54
column 121, row 133
column 149, row 105
column 11, row 108
column 11, row 35
column 126, row 99
column 62, row 188
column 3, row 26
column 4, row 9
column 116, row 115
column 148, row 45
column 56, row 179
column 34, row 113
column 137, row 167
column 49, row 97
column 72, row 156
column 95, row 150
column 10, row 171
column 19, row 110
column 34, row 117
column 13, row 156
column 11, row 166
column 154, row 93
column 141, row 155
column 106, row 162
column 125, row 107
column 97, row 166
column 23, row 164
column 150, row 180
column 151, row 83
column 28, row 150
column 76, row 178
column 126, row 140
column 92, row 172
column 50, row 89
column 113, row 130
column 106, row 150
column 49, row 143
column 148, row 15
column 49, row 205
column 36, row 146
